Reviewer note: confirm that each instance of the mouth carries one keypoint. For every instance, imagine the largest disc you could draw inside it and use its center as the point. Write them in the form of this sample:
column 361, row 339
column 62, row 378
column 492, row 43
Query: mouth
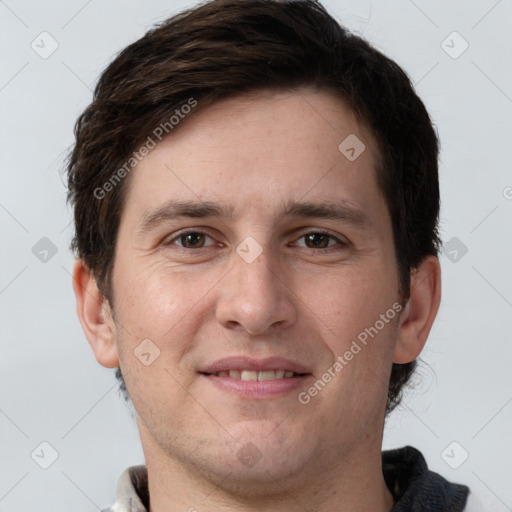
column 258, row 375
column 257, row 379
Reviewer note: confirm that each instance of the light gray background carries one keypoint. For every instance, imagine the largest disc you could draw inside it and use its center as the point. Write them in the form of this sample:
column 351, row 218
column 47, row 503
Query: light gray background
column 52, row 390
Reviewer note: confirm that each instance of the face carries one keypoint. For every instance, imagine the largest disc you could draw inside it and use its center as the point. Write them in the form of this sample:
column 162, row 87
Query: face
column 251, row 245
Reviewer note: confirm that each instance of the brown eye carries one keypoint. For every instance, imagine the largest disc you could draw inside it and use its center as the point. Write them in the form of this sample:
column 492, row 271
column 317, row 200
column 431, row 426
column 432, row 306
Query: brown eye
column 317, row 240
column 321, row 240
column 190, row 240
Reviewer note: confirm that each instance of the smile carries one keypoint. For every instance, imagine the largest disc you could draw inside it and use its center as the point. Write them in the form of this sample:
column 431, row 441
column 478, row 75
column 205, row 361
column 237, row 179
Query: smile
column 250, row 375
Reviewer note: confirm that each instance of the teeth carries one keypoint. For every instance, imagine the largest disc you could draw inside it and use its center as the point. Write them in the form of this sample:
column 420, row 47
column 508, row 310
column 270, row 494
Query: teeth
column 249, row 375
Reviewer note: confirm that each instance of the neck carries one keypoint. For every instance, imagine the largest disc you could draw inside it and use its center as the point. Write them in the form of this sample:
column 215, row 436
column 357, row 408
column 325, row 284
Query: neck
column 351, row 481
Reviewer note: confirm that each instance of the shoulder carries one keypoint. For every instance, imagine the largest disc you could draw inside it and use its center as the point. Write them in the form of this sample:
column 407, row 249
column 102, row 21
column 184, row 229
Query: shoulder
column 132, row 493
column 415, row 487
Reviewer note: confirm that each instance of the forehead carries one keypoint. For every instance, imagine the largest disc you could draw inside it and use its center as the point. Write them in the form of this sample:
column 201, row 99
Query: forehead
column 260, row 151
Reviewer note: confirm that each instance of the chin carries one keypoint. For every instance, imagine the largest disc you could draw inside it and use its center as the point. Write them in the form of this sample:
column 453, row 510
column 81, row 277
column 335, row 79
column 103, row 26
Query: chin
column 251, row 476
column 267, row 452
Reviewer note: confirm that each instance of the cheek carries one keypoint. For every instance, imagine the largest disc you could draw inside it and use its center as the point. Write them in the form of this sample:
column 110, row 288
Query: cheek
column 168, row 307
column 156, row 300
column 158, row 314
column 355, row 314
column 350, row 300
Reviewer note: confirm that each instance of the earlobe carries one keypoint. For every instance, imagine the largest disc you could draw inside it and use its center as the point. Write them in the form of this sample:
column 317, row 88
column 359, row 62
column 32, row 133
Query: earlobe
column 420, row 311
column 95, row 316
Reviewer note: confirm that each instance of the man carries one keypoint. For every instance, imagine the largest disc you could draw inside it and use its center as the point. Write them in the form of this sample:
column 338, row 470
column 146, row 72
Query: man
column 256, row 203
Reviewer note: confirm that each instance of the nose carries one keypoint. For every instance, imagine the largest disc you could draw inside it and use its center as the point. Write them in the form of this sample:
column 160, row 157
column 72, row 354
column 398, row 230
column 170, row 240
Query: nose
column 256, row 296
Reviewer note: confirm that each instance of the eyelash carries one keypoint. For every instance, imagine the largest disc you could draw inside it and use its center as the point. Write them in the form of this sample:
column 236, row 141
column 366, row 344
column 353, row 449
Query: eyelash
column 341, row 244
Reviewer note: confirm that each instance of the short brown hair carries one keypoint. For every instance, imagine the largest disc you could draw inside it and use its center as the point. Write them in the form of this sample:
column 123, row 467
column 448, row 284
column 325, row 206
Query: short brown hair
column 221, row 49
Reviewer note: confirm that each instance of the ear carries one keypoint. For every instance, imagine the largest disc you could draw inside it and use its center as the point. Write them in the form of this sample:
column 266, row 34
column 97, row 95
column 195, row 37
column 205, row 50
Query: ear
column 95, row 316
column 419, row 313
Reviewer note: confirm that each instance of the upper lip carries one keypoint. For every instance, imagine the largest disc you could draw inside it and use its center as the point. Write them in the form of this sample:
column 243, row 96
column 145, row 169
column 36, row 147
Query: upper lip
column 247, row 363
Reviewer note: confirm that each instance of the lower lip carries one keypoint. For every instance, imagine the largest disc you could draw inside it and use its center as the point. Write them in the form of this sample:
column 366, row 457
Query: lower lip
column 259, row 389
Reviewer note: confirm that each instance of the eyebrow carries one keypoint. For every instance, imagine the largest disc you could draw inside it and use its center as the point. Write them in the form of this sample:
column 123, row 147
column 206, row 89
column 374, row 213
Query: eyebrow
column 182, row 209
column 343, row 211
column 172, row 210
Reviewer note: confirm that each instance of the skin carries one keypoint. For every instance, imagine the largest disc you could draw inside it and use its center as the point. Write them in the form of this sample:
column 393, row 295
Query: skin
column 202, row 301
